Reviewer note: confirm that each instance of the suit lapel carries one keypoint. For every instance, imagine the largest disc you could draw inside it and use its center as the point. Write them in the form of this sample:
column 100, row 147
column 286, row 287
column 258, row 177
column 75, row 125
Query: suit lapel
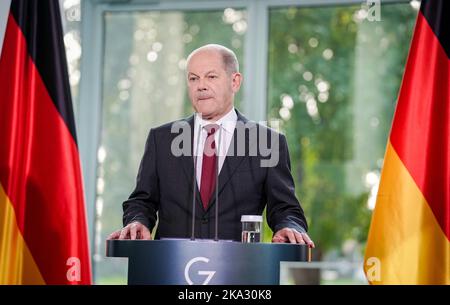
column 231, row 163
column 232, row 160
column 188, row 165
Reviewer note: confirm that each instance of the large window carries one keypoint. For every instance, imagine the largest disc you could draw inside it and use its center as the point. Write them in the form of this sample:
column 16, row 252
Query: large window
column 329, row 74
column 333, row 83
column 144, row 85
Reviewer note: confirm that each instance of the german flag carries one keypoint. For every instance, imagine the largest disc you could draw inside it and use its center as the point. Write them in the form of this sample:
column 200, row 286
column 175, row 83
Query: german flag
column 409, row 237
column 43, row 233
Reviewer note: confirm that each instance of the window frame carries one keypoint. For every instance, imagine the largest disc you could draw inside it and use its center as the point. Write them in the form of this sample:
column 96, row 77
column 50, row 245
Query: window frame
column 254, row 104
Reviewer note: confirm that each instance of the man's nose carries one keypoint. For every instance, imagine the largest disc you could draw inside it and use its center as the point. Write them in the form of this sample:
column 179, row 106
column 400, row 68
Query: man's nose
column 201, row 85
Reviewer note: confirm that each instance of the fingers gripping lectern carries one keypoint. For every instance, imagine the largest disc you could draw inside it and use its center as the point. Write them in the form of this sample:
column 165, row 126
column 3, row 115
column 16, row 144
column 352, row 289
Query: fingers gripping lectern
column 181, row 262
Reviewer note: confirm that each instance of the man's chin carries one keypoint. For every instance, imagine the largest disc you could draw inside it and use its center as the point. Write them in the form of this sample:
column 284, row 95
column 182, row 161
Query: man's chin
column 207, row 116
column 205, row 112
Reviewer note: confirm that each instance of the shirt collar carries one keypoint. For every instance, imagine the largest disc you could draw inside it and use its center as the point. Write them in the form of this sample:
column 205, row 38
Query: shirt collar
column 228, row 121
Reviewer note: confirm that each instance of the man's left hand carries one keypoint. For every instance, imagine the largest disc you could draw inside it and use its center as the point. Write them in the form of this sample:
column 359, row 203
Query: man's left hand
column 288, row 235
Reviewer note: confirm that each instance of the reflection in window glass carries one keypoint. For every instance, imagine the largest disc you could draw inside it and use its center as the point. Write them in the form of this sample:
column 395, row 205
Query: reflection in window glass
column 144, row 86
column 333, row 82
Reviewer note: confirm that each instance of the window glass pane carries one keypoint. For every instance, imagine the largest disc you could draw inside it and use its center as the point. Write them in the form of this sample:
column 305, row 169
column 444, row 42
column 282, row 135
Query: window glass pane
column 144, row 86
column 71, row 21
column 333, row 81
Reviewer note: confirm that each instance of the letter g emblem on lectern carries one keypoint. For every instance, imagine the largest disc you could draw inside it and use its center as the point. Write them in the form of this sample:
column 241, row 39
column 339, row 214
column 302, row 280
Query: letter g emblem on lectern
column 209, row 274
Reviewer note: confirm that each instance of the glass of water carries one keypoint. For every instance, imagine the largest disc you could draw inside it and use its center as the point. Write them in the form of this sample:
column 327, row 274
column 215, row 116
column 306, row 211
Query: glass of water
column 251, row 228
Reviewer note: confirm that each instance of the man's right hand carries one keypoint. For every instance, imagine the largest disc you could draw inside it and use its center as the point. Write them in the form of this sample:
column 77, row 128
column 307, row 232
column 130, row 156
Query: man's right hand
column 134, row 230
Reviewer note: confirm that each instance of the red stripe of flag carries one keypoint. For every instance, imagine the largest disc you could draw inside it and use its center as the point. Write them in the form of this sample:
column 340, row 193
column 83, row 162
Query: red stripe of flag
column 39, row 162
column 423, row 114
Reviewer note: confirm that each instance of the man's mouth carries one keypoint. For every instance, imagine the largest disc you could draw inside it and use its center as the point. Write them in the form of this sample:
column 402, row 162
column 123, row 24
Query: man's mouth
column 202, row 98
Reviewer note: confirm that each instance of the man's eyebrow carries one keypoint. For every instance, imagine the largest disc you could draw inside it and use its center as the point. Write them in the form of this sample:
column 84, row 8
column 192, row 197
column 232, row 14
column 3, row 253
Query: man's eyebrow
column 208, row 72
column 211, row 71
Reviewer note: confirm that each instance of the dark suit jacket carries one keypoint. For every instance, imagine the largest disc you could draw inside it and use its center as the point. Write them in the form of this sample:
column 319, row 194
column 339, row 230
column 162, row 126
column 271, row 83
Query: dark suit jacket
column 165, row 182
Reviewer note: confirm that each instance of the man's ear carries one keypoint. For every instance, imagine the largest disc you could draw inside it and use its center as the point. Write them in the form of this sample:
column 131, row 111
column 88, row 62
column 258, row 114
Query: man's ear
column 236, row 80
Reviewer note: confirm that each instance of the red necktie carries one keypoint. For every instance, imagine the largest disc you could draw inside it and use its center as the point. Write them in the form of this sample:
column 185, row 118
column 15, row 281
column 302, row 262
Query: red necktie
column 208, row 181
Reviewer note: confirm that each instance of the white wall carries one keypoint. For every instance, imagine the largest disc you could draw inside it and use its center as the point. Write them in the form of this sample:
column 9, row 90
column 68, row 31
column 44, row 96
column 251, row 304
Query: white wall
column 4, row 11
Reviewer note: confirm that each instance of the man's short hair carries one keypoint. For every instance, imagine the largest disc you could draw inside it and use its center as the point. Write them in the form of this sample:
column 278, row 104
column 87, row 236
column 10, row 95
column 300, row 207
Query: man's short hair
column 229, row 58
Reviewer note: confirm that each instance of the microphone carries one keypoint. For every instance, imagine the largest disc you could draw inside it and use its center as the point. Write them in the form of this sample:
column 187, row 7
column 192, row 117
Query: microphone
column 194, row 176
column 216, row 228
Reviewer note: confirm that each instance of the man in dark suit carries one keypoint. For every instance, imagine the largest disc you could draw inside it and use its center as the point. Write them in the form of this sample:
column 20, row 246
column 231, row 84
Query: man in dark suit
column 179, row 165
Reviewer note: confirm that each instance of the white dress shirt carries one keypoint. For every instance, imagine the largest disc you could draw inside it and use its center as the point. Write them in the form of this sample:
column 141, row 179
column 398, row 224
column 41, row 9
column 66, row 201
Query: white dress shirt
column 227, row 124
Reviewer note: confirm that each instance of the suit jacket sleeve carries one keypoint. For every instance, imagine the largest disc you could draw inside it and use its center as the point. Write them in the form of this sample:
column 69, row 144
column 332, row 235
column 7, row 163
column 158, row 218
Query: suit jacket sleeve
column 143, row 202
column 283, row 208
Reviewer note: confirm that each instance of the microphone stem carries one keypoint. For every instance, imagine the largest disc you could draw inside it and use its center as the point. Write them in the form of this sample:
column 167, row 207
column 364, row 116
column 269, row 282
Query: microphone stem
column 194, row 177
column 216, row 229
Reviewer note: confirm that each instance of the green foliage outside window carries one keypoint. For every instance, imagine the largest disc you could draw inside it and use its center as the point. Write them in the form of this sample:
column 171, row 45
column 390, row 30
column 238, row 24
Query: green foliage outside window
column 333, row 82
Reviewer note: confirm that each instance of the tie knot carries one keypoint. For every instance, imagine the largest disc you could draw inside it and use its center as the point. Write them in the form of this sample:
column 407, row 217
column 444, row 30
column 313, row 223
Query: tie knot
column 211, row 129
